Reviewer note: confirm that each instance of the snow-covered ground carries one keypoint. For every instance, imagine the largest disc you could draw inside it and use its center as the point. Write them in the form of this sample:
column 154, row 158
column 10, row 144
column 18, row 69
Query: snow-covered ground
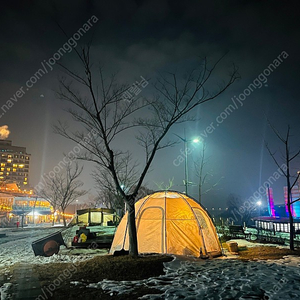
column 16, row 247
column 185, row 278
column 218, row 279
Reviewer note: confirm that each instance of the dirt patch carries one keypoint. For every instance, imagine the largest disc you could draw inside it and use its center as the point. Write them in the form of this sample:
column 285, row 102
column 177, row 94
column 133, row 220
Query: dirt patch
column 107, row 267
column 265, row 252
column 58, row 276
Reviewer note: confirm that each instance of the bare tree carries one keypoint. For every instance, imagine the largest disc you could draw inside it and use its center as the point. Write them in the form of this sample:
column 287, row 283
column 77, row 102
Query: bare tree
column 91, row 202
column 110, row 198
column 165, row 186
column 107, row 191
column 51, row 194
column 143, row 192
column 204, row 178
column 291, row 180
column 100, row 108
column 237, row 210
column 68, row 186
column 62, row 189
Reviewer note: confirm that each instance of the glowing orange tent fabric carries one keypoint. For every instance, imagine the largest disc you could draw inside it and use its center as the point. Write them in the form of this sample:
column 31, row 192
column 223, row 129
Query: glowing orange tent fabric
column 170, row 222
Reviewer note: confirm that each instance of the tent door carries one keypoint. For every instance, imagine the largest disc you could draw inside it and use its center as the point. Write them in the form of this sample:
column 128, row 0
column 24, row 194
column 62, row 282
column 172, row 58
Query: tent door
column 150, row 230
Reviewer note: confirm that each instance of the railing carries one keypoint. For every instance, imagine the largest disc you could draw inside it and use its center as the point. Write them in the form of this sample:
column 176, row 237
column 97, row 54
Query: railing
column 30, row 208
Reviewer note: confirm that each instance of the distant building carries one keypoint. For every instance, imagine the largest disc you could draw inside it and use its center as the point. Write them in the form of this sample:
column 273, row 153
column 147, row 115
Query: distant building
column 295, row 207
column 14, row 164
column 17, row 205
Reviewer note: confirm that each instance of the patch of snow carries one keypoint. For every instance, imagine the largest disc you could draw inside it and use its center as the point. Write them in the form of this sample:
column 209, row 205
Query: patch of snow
column 76, row 282
column 16, row 248
column 4, row 295
column 245, row 243
column 217, row 279
column 288, row 260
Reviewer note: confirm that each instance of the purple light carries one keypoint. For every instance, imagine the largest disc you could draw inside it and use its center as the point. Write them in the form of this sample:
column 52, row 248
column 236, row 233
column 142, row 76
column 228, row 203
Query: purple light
column 271, row 202
column 286, row 203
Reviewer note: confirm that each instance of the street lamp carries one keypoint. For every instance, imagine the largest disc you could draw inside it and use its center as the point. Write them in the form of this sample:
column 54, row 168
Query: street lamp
column 123, row 188
column 185, row 141
column 259, row 203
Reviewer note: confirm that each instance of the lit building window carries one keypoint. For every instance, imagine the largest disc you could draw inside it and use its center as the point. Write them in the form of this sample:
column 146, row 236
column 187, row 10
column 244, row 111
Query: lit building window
column 2, row 169
column 9, row 160
column 2, row 165
column 8, row 169
column 21, row 166
column 14, row 170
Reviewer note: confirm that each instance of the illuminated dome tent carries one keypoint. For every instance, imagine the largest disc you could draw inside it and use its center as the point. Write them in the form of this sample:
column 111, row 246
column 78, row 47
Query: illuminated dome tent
column 170, row 222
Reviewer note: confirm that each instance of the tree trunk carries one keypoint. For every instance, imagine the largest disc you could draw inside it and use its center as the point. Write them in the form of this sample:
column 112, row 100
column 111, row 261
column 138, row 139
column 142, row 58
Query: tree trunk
column 64, row 217
column 53, row 221
column 200, row 191
column 133, row 244
column 289, row 198
column 291, row 227
column 291, row 220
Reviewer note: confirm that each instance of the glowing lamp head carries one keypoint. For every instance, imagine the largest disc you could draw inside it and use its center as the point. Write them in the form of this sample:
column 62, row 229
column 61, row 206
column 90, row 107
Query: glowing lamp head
column 259, row 203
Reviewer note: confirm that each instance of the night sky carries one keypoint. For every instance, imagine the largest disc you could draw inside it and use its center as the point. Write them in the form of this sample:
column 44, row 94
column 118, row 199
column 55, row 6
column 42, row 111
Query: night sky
column 141, row 38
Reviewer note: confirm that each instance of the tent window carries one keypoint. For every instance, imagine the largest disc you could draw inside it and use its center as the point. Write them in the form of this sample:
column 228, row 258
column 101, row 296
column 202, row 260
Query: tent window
column 200, row 218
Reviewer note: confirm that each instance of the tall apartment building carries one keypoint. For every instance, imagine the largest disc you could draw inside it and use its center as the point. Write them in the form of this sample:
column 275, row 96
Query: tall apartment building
column 14, row 164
